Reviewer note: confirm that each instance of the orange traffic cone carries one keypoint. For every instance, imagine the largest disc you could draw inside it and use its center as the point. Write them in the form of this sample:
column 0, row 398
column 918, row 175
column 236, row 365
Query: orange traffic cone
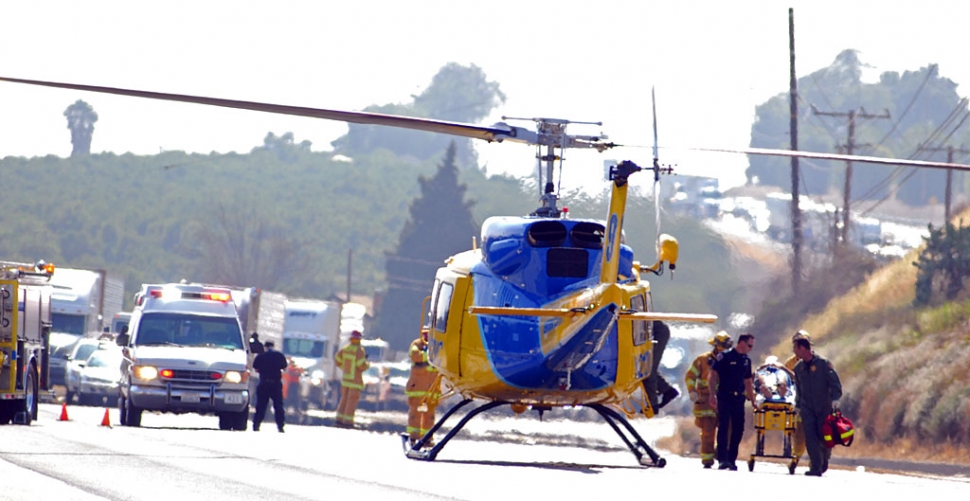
column 63, row 412
column 106, row 421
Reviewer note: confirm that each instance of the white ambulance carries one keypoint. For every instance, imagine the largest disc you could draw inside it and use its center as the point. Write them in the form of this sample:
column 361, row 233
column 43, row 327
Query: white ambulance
column 185, row 352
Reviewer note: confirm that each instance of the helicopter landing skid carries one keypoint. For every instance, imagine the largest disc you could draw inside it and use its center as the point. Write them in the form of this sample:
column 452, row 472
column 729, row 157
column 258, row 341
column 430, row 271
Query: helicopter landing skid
column 646, row 456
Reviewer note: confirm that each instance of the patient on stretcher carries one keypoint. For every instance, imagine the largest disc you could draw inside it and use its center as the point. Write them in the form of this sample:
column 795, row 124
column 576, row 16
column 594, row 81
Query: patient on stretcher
column 773, row 383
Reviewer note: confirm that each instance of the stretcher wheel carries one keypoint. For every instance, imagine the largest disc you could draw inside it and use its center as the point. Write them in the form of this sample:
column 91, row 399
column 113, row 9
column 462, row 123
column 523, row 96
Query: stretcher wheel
column 751, row 465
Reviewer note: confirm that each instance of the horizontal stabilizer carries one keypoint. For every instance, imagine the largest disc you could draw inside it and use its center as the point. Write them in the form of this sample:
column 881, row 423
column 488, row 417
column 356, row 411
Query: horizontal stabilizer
column 528, row 312
column 669, row 317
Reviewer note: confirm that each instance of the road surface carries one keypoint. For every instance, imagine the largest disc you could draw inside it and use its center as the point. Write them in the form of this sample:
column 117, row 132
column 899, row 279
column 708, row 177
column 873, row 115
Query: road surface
column 187, row 458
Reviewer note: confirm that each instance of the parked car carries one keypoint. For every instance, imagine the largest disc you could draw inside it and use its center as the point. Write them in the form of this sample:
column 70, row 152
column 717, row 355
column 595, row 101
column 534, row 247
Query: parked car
column 98, row 381
column 384, row 385
column 76, row 360
column 61, row 345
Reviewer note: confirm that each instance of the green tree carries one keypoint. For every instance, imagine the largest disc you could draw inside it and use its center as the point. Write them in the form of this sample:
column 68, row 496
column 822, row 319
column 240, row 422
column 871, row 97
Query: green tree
column 80, row 120
column 457, row 93
column 285, row 146
column 242, row 248
column 440, row 225
column 924, row 107
column 944, row 264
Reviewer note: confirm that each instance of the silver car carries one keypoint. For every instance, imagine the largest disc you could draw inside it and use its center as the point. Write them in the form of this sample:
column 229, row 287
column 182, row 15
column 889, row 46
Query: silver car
column 76, row 361
column 98, row 380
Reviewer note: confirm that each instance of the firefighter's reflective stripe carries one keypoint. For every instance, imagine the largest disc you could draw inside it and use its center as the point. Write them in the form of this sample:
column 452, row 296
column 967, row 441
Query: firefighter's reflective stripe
column 695, row 379
column 352, row 362
column 705, row 413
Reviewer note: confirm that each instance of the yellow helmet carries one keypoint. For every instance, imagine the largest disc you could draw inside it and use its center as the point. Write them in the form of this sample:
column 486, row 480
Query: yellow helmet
column 801, row 334
column 722, row 340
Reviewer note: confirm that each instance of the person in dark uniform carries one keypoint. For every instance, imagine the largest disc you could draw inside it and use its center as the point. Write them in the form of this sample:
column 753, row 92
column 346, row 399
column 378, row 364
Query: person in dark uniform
column 270, row 365
column 255, row 347
column 819, row 391
column 731, row 383
column 658, row 390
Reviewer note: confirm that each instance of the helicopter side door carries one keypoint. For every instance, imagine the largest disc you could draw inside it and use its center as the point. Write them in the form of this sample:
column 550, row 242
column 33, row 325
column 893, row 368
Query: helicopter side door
column 642, row 349
column 444, row 323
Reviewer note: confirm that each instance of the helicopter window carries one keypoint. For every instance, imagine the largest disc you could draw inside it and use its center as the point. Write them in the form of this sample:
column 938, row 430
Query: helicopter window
column 567, row 262
column 441, row 308
column 429, row 316
column 547, row 234
column 587, row 235
column 640, row 329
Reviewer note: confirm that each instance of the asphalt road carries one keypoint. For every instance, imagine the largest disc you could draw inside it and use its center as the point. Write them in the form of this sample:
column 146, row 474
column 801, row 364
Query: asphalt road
column 186, row 458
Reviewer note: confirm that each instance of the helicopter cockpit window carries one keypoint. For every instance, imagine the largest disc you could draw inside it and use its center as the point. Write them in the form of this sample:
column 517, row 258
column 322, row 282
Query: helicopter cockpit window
column 587, row 235
column 442, row 305
column 547, row 234
column 640, row 330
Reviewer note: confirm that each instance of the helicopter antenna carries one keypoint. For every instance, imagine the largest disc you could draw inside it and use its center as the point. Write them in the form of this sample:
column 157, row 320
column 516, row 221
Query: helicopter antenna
column 656, row 167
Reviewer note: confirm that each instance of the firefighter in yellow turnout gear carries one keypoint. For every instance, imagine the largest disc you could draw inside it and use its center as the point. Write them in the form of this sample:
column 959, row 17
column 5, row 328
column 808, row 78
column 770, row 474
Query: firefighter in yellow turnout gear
column 422, row 400
column 705, row 416
column 352, row 360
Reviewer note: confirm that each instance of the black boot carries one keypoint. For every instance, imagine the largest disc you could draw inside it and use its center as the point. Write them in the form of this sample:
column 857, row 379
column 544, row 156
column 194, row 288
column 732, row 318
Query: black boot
column 667, row 397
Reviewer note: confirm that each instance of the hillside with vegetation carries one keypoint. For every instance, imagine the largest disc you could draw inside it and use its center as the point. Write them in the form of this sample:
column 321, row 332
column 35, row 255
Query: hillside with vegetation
column 903, row 364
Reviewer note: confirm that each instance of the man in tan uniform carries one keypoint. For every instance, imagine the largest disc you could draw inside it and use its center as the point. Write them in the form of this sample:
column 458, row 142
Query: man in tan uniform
column 798, row 448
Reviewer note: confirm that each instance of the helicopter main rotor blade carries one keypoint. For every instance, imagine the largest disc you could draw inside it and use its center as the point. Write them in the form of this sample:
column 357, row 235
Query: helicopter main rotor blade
column 497, row 132
column 837, row 156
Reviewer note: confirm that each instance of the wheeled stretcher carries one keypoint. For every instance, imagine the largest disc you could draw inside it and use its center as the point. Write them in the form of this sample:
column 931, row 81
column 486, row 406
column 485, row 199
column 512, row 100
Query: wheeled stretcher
column 775, row 389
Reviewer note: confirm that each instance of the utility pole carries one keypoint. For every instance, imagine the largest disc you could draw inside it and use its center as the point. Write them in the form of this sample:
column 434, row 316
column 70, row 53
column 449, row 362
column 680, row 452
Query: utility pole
column 948, row 198
column 350, row 261
column 796, row 213
column 850, row 150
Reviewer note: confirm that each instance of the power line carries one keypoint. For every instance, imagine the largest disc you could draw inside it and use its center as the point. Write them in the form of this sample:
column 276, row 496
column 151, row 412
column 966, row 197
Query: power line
column 849, row 146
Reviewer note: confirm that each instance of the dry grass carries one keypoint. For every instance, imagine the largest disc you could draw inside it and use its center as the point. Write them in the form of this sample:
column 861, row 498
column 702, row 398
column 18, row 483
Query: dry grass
column 905, row 371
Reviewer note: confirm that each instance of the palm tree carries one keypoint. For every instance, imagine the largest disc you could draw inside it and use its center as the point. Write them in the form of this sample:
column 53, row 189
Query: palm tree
column 80, row 119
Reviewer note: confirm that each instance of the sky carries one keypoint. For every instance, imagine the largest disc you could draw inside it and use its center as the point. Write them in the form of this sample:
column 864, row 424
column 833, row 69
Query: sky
column 710, row 63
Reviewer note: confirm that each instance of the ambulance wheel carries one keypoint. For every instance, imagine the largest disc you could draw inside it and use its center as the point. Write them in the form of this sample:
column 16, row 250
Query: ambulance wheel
column 240, row 420
column 122, row 419
column 132, row 414
column 751, row 465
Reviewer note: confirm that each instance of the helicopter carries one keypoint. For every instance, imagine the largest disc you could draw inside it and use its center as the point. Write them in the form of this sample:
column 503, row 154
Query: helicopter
column 548, row 311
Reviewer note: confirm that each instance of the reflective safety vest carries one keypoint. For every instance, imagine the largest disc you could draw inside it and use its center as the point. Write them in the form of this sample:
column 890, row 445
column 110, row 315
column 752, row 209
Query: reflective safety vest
column 352, row 361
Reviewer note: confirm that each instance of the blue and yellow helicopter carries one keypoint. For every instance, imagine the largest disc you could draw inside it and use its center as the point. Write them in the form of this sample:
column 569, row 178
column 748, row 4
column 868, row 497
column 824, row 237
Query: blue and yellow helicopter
column 548, row 311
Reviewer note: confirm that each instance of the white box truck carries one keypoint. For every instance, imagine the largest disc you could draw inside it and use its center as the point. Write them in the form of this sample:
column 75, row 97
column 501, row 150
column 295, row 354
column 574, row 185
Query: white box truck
column 311, row 333
column 83, row 303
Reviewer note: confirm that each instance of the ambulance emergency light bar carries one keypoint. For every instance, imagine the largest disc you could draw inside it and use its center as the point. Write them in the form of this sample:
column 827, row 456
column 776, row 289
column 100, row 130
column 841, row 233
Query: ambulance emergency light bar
column 173, row 293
